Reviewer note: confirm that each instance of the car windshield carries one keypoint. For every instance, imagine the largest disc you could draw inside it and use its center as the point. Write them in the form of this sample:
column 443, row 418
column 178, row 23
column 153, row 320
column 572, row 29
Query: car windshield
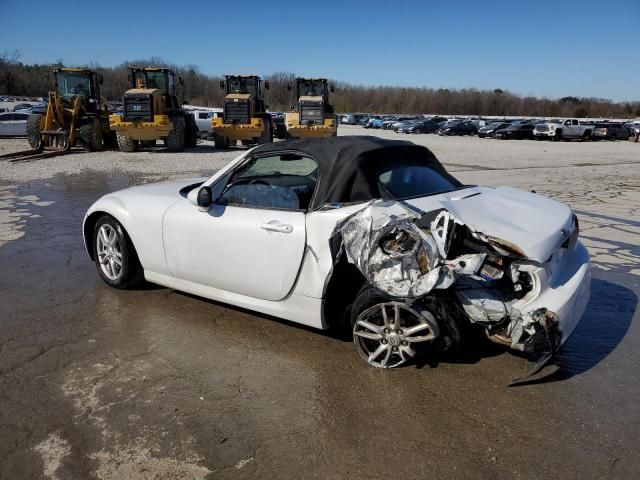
column 408, row 181
column 243, row 85
column 73, row 84
column 311, row 88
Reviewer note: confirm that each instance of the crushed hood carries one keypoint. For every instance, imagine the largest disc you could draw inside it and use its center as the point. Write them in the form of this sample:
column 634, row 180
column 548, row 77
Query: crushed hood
column 522, row 222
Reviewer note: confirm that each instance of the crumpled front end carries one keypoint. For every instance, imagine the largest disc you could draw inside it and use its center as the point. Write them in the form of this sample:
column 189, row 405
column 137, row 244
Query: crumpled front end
column 527, row 305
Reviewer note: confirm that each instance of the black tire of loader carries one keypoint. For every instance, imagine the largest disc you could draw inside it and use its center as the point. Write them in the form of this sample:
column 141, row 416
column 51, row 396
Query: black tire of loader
column 127, row 144
column 267, row 132
column 33, row 131
column 176, row 137
column 191, row 133
column 90, row 134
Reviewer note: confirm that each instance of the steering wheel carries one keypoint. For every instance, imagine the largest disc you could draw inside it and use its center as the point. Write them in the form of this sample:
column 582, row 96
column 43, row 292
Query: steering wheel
column 259, row 181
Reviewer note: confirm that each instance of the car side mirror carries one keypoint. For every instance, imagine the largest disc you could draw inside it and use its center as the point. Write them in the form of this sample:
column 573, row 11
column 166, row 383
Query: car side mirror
column 205, row 198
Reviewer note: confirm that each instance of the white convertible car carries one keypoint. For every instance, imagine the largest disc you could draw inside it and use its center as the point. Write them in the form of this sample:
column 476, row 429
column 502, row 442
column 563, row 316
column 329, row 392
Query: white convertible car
column 370, row 233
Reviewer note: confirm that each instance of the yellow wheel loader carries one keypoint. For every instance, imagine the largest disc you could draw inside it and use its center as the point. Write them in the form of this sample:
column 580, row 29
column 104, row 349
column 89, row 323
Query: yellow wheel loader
column 313, row 115
column 151, row 112
column 245, row 116
column 75, row 114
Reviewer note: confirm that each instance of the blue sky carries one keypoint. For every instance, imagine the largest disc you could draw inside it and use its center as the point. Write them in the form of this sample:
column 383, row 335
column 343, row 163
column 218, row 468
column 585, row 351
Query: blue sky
column 534, row 47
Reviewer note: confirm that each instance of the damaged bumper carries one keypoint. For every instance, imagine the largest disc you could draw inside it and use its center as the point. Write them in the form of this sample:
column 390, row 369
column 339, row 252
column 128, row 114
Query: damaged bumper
column 529, row 305
column 566, row 290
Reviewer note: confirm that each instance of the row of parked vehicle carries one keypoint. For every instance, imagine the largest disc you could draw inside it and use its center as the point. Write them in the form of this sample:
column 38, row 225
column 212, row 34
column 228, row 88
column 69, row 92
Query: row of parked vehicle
column 539, row 129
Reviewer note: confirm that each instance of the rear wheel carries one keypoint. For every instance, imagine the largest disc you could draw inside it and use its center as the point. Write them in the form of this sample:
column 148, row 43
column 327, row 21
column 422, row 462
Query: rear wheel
column 586, row 136
column 90, row 135
column 558, row 136
column 33, row 131
column 176, row 137
column 127, row 144
column 115, row 256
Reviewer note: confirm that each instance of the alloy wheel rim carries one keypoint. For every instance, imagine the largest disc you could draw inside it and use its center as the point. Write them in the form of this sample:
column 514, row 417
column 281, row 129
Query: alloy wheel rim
column 385, row 334
column 109, row 252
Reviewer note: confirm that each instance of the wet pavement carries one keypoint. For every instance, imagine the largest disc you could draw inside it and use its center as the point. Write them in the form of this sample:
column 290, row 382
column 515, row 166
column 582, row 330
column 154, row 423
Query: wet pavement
column 109, row 384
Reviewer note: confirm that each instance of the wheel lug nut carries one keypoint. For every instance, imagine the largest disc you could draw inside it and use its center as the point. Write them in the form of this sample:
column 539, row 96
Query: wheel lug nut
column 405, row 343
column 386, row 330
column 399, row 332
column 395, row 349
column 384, row 341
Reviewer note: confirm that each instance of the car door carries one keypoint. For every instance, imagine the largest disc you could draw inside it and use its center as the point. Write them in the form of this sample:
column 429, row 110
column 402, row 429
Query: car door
column 252, row 240
column 5, row 124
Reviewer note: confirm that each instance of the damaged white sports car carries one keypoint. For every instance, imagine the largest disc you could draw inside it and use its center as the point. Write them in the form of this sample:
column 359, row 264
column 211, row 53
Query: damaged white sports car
column 369, row 232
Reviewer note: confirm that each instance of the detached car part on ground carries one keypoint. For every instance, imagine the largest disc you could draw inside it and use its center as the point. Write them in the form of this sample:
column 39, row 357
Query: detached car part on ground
column 361, row 231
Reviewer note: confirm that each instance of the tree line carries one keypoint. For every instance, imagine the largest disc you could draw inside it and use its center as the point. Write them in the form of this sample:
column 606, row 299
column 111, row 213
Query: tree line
column 19, row 79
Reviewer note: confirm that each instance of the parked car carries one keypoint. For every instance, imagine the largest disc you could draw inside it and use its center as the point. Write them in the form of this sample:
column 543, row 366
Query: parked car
column 22, row 106
column 490, row 130
column 519, row 131
column 370, row 121
column 352, row 118
column 399, row 121
column 13, row 124
column 203, row 122
column 611, row 131
column 359, row 230
column 426, row 125
column 460, row 127
column 564, row 129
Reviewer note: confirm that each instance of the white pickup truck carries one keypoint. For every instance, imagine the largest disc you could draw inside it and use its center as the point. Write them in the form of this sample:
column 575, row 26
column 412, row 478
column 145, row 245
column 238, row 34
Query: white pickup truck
column 564, row 129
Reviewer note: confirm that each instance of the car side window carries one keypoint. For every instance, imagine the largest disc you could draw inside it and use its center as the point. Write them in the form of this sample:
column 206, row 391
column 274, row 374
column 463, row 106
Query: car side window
column 575, row 122
column 281, row 181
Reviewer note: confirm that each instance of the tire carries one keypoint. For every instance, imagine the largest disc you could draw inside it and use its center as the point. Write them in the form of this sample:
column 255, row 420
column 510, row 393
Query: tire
column 33, row 131
column 176, row 137
column 130, row 273
column 586, row 136
column 222, row 143
column 90, row 135
column 369, row 303
column 558, row 136
column 126, row 144
column 267, row 133
column 191, row 133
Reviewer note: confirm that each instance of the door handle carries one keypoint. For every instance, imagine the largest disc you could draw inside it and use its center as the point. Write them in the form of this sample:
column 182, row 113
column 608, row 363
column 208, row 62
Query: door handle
column 275, row 226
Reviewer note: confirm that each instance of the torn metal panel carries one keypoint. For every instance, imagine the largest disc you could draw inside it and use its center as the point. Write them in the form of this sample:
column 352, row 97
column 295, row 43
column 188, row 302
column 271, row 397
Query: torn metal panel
column 400, row 258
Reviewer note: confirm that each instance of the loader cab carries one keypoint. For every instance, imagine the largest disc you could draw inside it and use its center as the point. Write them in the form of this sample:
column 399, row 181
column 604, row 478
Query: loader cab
column 312, row 87
column 72, row 82
column 241, row 84
column 156, row 79
column 244, row 98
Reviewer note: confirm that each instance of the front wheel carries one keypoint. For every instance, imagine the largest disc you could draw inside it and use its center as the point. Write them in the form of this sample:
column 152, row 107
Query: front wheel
column 126, row 144
column 116, row 258
column 33, row 131
column 387, row 333
column 176, row 137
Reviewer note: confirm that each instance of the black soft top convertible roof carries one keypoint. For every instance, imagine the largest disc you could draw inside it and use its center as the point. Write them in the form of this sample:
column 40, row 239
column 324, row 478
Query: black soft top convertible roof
column 348, row 164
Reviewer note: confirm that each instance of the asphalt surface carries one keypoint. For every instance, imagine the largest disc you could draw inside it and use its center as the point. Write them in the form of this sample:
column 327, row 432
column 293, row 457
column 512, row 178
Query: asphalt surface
column 156, row 384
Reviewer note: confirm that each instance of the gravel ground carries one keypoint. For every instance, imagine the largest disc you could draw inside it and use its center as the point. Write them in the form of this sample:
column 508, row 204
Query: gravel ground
column 111, row 384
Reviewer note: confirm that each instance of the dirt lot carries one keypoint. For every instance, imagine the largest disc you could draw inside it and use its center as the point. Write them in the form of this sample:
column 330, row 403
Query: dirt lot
column 100, row 383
